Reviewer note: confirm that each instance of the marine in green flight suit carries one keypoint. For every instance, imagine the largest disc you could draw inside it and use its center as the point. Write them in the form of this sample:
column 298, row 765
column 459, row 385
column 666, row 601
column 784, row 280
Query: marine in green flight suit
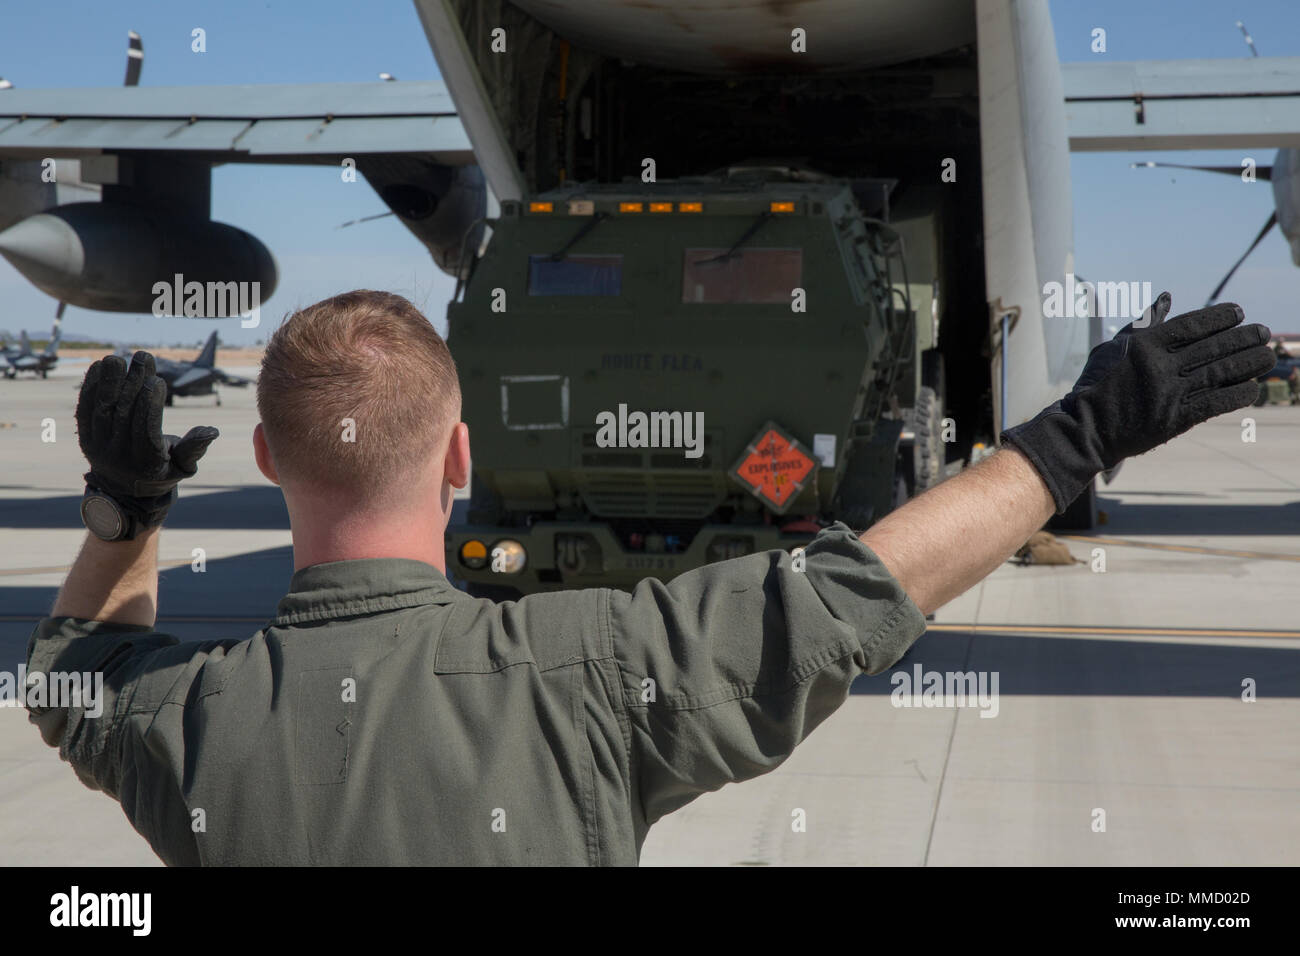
column 384, row 717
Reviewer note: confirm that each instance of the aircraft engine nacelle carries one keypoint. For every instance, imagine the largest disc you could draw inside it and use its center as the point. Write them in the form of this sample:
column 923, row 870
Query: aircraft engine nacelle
column 109, row 256
column 1286, row 197
column 442, row 206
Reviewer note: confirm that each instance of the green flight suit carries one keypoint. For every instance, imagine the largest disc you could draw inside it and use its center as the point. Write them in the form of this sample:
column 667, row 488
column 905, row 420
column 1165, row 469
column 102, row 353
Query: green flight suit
column 385, row 717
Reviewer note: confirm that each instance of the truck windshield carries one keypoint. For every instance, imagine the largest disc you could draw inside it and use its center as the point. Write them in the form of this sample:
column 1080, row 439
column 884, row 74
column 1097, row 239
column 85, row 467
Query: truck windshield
column 575, row 275
column 752, row 276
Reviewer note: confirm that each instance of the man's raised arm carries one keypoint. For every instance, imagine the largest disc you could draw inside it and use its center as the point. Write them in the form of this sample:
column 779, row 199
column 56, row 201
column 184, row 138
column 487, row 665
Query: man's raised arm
column 1151, row 382
column 946, row 541
column 113, row 581
column 102, row 622
column 134, row 470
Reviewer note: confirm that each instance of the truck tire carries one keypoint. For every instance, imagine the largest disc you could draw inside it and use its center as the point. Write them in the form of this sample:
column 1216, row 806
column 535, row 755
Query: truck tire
column 1082, row 513
column 928, row 456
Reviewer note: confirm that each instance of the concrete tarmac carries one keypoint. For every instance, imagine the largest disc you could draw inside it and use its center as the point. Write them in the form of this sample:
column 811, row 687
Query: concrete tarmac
column 1147, row 713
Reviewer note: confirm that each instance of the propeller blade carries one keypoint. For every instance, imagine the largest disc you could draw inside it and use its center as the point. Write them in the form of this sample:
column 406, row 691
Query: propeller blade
column 1272, row 221
column 353, row 222
column 134, row 58
column 1250, row 41
column 1261, row 172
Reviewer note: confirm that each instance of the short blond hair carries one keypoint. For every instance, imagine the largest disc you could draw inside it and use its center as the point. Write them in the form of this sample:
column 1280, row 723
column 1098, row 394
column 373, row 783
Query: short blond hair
column 369, row 358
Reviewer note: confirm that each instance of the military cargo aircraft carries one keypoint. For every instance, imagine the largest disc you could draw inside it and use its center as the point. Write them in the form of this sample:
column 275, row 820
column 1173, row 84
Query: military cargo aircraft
column 938, row 130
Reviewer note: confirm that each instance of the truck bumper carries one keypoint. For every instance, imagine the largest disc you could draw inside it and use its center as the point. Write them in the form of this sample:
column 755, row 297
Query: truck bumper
column 564, row 555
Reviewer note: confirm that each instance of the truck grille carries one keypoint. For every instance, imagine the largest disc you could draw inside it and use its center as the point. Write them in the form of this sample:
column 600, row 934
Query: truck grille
column 652, row 494
column 592, row 456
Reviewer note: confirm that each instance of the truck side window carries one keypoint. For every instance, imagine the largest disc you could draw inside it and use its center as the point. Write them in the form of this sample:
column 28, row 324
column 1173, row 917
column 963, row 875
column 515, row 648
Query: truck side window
column 575, row 275
column 751, row 276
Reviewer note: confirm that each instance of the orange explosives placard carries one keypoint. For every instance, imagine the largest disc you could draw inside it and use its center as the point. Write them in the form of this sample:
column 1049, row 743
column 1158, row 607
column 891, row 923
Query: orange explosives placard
column 774, row 467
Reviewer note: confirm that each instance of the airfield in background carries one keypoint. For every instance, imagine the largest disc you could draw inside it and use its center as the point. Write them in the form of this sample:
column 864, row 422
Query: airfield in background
column 1119, row 690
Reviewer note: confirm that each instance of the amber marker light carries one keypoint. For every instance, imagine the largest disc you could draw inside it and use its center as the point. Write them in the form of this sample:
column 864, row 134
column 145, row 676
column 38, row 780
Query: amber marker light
column 473, row 554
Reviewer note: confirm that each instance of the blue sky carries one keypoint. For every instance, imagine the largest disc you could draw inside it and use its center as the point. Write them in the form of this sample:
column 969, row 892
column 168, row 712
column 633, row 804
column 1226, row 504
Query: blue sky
column 1179, row 229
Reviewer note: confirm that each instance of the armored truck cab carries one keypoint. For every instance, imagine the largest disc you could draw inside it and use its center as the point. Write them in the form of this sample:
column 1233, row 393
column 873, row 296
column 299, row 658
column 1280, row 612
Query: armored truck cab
column 657, row 376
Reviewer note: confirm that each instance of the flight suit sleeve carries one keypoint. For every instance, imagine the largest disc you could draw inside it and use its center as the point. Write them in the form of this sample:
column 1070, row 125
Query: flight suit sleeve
column 111, row 735
column 727, row 668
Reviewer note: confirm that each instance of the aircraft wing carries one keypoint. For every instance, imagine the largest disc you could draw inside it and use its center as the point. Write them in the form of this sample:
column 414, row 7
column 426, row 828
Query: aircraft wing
column 148, row 152
column 1244, row 103
column 225, row 378
column 189, row 377
column 1183, row 104
column 162, row 365
column 303, row 123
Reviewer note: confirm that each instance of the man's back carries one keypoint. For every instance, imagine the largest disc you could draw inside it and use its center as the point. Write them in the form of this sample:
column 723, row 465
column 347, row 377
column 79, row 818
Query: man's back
column 419, row 726
column 387, row 718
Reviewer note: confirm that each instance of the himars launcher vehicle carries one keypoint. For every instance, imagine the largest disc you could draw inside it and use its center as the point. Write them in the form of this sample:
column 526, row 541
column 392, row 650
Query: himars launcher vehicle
column 765, row 217
column 754, row 323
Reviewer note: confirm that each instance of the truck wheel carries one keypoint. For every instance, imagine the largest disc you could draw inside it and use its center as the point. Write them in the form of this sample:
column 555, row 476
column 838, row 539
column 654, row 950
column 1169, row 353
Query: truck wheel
column 928, row 457
column 1081, row 515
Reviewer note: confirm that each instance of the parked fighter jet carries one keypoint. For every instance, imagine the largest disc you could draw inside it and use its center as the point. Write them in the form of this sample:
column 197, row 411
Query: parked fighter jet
column 38, row 363
column 197, row 377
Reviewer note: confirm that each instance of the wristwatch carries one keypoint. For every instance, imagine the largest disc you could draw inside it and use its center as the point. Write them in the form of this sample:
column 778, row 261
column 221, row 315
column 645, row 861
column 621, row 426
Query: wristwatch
column 105, row 517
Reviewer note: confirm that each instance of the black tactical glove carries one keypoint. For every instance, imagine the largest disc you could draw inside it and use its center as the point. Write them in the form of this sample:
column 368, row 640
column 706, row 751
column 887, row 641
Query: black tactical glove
column 119, row 426
column 1142, row 388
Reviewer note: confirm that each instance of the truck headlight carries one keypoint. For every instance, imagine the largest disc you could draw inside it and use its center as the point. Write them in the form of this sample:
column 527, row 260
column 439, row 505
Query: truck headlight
column 508, row 557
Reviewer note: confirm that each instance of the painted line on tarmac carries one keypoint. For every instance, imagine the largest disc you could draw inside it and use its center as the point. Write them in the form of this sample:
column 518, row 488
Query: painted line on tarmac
column 1122, row 631
column 166, row 619
column 1185, row 548
column 952, row 628
column 65, row 568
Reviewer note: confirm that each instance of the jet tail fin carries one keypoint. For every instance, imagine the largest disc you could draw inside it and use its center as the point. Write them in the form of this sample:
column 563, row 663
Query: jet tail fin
column 25, row 342
column 208, row 357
